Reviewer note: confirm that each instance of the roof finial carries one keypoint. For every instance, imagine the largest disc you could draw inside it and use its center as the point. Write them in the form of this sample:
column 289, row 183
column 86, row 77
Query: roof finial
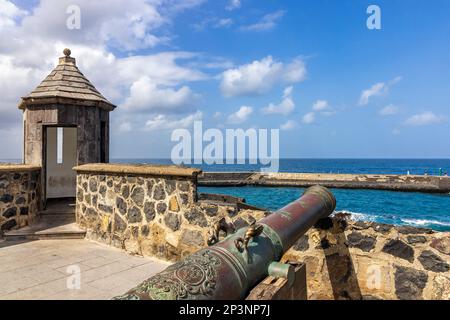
column 67, row 52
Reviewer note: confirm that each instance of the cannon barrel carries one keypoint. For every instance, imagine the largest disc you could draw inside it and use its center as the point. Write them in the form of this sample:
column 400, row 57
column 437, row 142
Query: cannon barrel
column 229, row 269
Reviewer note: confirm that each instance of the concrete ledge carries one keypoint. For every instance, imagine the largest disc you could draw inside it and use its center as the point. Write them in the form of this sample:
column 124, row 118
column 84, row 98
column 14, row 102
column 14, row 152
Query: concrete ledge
column 138, row 169
column 411, row 183
column 14, row 167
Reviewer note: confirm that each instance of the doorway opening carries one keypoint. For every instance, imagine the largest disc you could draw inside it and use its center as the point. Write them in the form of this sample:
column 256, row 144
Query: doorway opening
column 61, row 157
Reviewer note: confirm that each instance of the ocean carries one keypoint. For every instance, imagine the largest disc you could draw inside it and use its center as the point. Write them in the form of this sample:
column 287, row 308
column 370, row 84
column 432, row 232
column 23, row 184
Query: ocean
column 393, row 207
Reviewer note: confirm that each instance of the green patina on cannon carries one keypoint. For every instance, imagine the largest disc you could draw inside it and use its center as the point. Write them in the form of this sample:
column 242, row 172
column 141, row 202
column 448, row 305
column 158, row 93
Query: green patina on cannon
column 230, row 268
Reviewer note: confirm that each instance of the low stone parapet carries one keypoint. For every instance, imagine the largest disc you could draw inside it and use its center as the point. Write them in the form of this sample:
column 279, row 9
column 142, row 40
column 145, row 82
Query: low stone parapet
column 20, row 195
column 147, row 209
column 348, row 259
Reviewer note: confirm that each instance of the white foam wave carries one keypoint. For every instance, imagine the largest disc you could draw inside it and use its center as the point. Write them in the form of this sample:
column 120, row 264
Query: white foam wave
column 425, row 222
column 358, row 216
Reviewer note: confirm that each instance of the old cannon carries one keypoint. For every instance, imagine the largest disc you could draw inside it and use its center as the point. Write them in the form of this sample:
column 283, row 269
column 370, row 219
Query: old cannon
column 230, row 268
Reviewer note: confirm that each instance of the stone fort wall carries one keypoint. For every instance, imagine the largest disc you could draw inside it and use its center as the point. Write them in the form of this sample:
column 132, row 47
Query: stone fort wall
column 365, row 260
column 154, row 211
column 20, row 195
column 148, row 210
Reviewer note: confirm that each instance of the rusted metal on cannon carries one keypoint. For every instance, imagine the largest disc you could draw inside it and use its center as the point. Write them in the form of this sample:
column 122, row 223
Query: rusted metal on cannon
column 229, row 269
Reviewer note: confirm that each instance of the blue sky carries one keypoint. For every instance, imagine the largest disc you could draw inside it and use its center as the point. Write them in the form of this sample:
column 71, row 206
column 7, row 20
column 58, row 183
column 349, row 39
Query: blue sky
column 337, row 89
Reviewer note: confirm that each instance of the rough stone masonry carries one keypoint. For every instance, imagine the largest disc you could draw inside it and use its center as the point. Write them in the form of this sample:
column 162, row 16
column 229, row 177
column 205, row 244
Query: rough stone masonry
column 148, row 210
column 20, row 199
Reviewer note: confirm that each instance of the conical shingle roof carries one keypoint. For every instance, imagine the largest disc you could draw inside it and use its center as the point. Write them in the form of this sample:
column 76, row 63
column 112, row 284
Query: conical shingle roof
column 66, row 85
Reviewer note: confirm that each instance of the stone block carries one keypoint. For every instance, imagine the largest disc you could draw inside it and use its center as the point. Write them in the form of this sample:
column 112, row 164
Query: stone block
column 409, row 283
column 173, row 204
column 433, row 262
column 399, row 249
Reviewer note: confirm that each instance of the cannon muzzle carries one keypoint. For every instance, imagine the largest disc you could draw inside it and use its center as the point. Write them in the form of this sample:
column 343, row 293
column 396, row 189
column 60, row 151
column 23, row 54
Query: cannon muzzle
column 229, row 269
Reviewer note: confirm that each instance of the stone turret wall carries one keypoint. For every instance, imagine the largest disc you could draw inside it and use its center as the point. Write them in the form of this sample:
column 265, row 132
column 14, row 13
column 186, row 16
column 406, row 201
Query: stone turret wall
column 20, row 196
column 147, row 210
column 364, row 260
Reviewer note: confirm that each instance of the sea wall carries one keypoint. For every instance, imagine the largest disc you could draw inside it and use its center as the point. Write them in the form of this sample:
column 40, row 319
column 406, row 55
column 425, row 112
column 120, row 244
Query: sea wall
column 148, row 210
column 364, row 260
column 20, row 195
column 348, row 181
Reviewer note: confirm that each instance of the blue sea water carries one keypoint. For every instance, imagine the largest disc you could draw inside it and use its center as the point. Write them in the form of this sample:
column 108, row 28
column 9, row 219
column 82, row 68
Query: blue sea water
column 408, row 208
column 393, row 207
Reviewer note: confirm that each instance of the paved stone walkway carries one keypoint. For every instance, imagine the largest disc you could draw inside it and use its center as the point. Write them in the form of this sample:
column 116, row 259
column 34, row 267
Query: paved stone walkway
column 47, row 269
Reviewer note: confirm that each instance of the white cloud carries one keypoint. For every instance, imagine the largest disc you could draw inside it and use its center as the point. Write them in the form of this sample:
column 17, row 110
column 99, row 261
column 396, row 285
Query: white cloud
column 260, row 76
column 223, row 23
column 285, row 107
column 389, row 110
column 125, row 126
column 164, row 122
column 233, row 5
column 424, row 119
column 288, row 125
column 145, row 95
column 9, row 12
column 320, row 105
column 267, row 22
column 309, row 118
column 377, row 89
column 241, row 115
column 31, row 49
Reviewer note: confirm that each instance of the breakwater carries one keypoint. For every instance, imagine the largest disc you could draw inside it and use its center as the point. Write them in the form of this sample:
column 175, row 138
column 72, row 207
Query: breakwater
column 413, row 183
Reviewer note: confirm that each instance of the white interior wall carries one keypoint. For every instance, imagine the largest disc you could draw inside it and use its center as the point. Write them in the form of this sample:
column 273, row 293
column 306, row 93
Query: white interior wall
column 61, row 179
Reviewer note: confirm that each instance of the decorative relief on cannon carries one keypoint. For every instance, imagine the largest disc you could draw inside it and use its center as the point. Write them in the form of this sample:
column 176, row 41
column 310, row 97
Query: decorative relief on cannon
column 229, row 269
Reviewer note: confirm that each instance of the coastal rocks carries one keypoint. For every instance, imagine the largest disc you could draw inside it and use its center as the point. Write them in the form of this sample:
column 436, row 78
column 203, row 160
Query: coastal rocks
column 361, row 225
column 413, row 230
column 441, row 288
column 399, row 249
column 409, row 283
column 358, row 240
column 381, row 227
column 433, row 262
column 416, row 239
column 388, row 265
column 441, row 244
